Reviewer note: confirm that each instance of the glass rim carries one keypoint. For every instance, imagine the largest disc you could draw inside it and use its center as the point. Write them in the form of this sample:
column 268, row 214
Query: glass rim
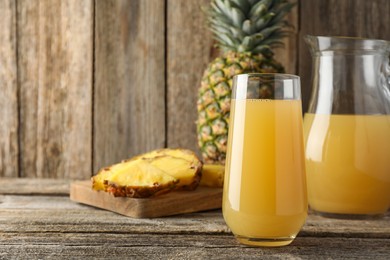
column 271, row 86
column 345, row 38
column 280, row 76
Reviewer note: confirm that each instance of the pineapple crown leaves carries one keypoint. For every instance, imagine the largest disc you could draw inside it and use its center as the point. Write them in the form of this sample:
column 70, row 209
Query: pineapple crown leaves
column 253, row 26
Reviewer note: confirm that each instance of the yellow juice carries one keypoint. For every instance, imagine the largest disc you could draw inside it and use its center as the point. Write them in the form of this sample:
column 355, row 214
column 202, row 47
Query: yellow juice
column 348, row 163
column 265, row 188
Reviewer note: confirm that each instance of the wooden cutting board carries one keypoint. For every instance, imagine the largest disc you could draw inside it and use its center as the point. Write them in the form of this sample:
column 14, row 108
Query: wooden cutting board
column 173, row 203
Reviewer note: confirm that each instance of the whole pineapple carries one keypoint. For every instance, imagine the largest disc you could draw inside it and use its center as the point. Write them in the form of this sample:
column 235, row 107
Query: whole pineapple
column 245, row 30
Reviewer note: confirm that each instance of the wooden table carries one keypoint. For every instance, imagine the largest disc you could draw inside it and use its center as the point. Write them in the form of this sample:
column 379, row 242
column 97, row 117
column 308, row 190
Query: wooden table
column 37, row 220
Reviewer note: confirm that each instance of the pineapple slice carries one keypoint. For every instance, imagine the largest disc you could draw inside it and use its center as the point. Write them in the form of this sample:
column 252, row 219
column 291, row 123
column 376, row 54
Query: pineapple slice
column 180, row 163
column 105, row 173
column 141, row 180
column 212, row 175
column 151, row 174
column 188, row 172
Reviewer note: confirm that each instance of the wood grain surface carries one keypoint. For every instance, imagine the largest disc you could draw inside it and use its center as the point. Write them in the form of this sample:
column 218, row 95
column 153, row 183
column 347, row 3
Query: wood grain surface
column 44, row 226
column 189, row 50
column 55, row 80
column 172, row 203
column 18, row 209
column 34, row 186
column 196, row 246
column 129, row 104
column 28, row 81
column 9, row 150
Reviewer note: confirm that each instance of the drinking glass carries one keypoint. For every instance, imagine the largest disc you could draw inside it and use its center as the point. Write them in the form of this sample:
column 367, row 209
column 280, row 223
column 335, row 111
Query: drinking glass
column 264, row 197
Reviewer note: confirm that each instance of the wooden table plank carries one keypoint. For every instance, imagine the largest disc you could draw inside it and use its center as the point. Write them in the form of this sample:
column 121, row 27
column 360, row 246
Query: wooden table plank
column 25, row 214
column 85, row 220
column 40, row 226
column 184, row 246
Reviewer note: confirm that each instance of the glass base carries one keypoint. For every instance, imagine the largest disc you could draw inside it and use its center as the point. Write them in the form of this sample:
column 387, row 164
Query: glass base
column 265, row 242
column 348, row 216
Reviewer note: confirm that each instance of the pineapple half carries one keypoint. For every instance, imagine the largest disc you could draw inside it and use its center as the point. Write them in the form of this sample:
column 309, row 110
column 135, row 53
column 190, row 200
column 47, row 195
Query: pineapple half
column 245, row 31
column 151, row 174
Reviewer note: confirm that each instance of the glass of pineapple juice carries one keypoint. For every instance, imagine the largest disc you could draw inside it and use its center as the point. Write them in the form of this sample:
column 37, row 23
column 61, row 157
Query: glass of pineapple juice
column 264, row 196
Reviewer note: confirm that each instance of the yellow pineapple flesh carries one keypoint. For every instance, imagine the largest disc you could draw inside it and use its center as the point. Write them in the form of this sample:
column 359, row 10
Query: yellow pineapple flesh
column 107, row 172
column 212, row 175
column 179, row 153
column 188, row 172
column 141, row 180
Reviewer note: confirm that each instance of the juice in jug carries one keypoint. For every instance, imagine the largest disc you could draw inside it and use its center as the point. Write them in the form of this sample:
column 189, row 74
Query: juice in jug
column 348, row 158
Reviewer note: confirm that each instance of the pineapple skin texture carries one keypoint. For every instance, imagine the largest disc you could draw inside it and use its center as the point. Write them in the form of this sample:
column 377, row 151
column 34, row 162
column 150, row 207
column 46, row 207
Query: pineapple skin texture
column 214, row 97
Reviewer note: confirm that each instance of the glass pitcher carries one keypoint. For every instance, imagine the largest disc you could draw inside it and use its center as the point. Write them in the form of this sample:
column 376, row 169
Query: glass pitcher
column 347, row 127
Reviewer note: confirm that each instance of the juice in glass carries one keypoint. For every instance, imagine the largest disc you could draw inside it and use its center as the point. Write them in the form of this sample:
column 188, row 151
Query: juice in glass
column 348, row 163
column 265, row 189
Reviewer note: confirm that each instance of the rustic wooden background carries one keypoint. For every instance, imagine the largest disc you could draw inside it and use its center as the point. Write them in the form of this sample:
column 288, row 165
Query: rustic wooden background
column 87, row 83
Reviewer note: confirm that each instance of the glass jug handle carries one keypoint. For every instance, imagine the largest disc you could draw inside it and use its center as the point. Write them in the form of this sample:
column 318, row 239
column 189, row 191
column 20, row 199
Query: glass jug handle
column 388, row 72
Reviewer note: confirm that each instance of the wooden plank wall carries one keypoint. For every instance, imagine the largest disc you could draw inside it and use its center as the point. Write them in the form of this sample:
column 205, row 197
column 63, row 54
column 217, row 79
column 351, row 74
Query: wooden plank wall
column 9, row 113
column 54, row 62
column 87, row 83
column 129, row 98
column 189, row 49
